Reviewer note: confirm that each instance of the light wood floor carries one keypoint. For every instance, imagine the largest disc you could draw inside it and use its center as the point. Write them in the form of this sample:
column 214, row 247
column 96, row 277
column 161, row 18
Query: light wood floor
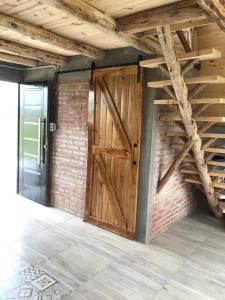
column 186, row 262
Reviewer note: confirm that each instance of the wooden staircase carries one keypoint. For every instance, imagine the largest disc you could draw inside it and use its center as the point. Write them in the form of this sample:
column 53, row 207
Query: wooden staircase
column 198, row 147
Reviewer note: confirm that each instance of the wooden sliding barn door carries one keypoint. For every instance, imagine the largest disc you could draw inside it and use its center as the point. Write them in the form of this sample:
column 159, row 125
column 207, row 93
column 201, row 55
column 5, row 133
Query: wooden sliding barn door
column 114, row 150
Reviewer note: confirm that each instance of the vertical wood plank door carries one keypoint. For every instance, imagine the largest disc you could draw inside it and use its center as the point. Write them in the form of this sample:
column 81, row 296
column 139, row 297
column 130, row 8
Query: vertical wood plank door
column 114, row 125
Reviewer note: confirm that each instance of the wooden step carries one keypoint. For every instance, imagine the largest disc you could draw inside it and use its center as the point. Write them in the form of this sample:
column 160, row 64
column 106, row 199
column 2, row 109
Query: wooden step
column 203, row 135
column 189, row 171
column 165, row 102
column 215, row 150
column 206, row 54
column 216, row 163
column 213, row 173
column 210, row 162
column 213, row 135
column 170, row 118
column 193, row 101
column 211, row 150
column 213, row 79
column 217, row 185
column 190, row 180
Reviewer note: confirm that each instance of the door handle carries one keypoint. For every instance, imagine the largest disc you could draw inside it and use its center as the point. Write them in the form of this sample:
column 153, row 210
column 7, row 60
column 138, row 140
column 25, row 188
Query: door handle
column 42, row 147
column 43, row 140
column 134, row 154
column 39, row 141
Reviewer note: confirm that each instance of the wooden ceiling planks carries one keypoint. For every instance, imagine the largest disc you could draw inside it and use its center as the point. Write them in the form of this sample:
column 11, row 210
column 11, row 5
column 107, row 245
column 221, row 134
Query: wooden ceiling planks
column 40, row 13
column 20, row 39
column 90, row 23
column 118, row 8
column 59, row 22
column 166, row 15
column 38, row 33
column 31, row 53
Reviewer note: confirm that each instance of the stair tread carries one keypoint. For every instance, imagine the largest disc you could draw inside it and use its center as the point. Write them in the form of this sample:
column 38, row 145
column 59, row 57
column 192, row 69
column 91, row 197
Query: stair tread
column 206, row 54
column 203, row 135
column 213, row 79
column 210, row 162
column 215, row 150
column 216, row 163
column 170, row 118
column 193, row 101
column 195, row 172
column 217, row 185
column 209, row 149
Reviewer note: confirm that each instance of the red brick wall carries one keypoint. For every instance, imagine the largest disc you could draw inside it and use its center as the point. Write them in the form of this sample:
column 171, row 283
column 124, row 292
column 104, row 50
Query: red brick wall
column 68, row 151
column 176, row 200
column 68, row 163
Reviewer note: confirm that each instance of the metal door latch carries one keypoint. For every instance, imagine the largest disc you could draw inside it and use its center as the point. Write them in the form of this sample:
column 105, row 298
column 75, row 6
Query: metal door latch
column 52, row 127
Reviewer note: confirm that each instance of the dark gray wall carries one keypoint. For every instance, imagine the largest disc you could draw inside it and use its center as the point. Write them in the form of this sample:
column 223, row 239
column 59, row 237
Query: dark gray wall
column 148, row 134
column 38, row 74
column 10, row 74
column 17, row 73
column 113, row 57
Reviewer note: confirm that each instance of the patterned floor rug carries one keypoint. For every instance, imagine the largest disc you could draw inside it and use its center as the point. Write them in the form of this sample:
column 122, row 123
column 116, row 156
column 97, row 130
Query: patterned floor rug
column 33, row 284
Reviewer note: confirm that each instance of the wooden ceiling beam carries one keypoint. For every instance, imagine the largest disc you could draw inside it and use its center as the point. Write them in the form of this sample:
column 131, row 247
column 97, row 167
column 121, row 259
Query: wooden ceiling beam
column 18, row 60
column 215, row 9
column 91, row 16
column 84, row 13
column 31, row 53
column 33, row 33
column 179, row 26
column 171, row 14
